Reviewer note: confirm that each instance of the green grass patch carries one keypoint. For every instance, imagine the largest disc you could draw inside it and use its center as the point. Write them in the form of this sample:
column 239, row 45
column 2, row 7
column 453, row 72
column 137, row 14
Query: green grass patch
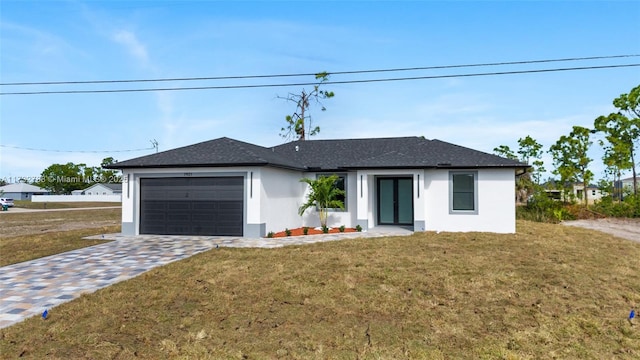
column 548, row 291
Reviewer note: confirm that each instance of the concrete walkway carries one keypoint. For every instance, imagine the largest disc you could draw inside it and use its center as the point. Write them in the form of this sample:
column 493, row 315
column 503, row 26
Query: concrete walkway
column 28, row 288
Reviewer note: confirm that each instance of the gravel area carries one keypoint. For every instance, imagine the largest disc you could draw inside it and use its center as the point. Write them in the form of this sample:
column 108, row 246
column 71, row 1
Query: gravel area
column 623, row 228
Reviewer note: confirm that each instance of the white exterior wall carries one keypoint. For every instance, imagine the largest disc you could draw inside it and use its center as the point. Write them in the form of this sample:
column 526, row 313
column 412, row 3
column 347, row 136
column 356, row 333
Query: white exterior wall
column 335, row 218
column 281, row 194
column 496, row 202
column 273, row 196
column 367, row 199
column 129, row 187
column 591, row 197
column 131, row 191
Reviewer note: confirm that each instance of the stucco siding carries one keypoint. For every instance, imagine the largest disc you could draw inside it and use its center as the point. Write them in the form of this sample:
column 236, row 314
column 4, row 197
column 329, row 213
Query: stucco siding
column 367, row 200
column 495, row 205
column 335, row 218
column 131, row 192
column 280, row 197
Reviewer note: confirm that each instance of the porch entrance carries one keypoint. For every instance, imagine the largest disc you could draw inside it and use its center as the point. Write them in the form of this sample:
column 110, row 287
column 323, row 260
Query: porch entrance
column 395, row 200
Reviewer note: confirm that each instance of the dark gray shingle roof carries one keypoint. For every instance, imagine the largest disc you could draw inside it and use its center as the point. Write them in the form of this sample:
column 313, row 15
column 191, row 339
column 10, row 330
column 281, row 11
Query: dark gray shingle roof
column 326, row 155
column 218, row 152
column 114, row 187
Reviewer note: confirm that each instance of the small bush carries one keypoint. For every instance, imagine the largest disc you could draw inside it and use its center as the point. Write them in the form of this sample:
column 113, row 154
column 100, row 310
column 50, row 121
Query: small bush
column 358, row 228
column 629, row 207
column 325, row 230
column 270, row 234
column 541, row 208
column 287, row 232
column 305, row 230
column 341, row 228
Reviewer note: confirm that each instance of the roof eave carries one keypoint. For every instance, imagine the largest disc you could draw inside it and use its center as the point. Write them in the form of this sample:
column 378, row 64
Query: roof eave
column 167, row 166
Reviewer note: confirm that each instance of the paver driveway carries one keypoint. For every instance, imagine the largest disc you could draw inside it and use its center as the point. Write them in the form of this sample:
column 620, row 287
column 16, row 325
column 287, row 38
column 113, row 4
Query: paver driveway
column 28, row 288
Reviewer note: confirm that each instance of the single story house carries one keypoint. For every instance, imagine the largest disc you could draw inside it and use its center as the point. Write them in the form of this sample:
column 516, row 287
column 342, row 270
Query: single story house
column 100, row 189
column 627, row 183
column 22, row 191
column 593, row 192
column 229, row 187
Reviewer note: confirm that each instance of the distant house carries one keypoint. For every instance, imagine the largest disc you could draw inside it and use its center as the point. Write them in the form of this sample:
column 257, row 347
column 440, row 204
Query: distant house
column 593, row 192
column 229, row 187
column 100, row 189
column 22, row 191
column 574, row 191
column 628, row 183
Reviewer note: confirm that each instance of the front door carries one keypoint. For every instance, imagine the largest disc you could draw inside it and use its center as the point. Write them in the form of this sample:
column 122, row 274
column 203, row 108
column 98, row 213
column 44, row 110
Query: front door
column 395, row 201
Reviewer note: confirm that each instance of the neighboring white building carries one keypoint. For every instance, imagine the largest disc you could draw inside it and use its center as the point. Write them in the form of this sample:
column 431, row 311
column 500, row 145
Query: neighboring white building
column 627, row 183
column 229, row 187
column 100, row 189
column 22, row 191
column 593, row 193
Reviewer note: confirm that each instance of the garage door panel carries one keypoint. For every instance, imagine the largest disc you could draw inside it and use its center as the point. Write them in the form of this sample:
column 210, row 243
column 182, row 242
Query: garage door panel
column 192, row 206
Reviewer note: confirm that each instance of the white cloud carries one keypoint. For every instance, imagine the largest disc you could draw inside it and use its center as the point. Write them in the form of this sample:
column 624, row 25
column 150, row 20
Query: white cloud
column 133, row 45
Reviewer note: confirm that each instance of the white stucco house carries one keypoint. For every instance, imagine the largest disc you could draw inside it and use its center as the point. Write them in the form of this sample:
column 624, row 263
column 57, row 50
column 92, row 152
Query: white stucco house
column 594, row 194
column 100, row 189
column 627, row 183
column 229, row 187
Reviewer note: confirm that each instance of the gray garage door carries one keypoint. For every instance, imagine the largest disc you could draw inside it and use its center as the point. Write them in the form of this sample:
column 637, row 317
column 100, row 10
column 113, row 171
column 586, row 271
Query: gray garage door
column 192, row 206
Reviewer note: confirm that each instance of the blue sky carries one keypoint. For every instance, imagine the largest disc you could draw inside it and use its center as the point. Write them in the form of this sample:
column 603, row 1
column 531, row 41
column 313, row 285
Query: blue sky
column 113, row 40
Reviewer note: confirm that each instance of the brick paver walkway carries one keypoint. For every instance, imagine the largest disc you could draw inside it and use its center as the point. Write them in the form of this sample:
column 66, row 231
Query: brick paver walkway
column 28, row 288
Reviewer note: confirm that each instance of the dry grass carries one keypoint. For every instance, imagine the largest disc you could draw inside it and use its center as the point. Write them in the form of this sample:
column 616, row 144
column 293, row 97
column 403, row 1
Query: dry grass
column 32, row 235
column 28, row 247
column 549, row 291
column 28, row 204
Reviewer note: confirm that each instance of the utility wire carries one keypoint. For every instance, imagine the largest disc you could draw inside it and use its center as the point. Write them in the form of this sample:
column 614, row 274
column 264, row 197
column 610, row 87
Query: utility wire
column 326, row 82
column 75, row 151
column 328, row 73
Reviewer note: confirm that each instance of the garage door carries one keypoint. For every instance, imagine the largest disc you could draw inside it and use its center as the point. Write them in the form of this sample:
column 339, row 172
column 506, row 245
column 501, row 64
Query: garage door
column 192, row 206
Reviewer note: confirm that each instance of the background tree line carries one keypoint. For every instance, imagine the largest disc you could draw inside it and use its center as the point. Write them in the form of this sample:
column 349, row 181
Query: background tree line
column 64, row 178
column 618, row 133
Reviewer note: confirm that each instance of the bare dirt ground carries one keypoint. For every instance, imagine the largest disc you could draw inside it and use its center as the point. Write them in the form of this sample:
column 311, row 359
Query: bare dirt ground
column 623, row 228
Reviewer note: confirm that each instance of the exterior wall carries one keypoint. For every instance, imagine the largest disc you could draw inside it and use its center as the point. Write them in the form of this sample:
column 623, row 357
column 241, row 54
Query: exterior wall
column 496, row 202
column 591, row 197
column 338, row 217
column 131, row 194
column 627, row 183
column 76, row 198
column 273, row 196
column 367, row 200
column 98, row 189
column 16, row 195
column 281, row 194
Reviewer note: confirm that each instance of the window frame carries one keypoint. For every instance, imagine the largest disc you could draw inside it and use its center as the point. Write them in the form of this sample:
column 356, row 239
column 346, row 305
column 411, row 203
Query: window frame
column 453, row 211
column 345, row 177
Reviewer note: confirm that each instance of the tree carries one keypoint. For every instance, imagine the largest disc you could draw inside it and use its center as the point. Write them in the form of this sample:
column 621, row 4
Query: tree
column 108, row 176
column 622, row 133
column 505, row 151
column 530, row 150
column 323, row 195
column 571, row 160
column 299, row 123
column 64, row 178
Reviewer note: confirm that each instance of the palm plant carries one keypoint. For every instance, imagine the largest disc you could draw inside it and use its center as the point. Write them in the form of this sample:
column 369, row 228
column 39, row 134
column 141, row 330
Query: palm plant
column 323, row 195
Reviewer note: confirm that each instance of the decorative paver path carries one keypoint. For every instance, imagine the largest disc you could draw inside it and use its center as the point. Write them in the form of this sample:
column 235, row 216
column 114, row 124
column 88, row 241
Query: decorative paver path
column 30, row 287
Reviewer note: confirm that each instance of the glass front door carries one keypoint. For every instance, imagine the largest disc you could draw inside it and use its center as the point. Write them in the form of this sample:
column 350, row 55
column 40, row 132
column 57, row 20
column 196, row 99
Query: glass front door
column 395, row 201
